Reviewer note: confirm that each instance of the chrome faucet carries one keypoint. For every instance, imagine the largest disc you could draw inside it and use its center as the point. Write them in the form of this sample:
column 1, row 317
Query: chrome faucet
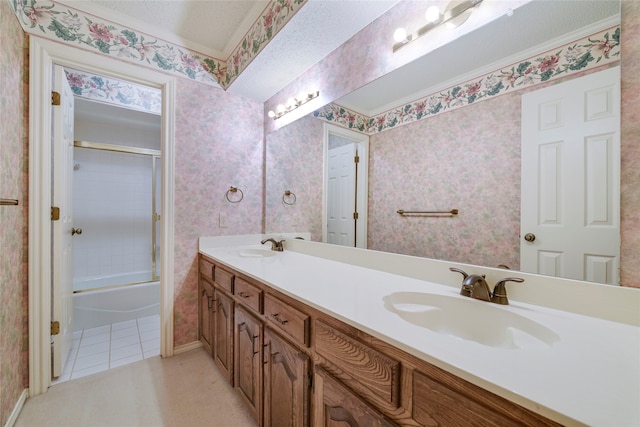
column 475, row 286
column 275, row 245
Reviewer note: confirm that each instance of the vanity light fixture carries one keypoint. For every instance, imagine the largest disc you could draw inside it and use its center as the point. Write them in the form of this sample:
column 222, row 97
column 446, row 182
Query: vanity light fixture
column 292, row 104
column 456, row 13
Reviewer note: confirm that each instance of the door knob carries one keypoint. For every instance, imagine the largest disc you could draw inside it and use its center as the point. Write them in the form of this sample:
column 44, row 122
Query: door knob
column 529, row 237
column 76, row 231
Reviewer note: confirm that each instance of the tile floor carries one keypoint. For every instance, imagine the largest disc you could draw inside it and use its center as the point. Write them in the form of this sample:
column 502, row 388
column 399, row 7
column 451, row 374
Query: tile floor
column 105, row 347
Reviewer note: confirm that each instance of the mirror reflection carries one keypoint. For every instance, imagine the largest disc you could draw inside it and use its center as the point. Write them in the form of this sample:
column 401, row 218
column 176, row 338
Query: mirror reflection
column 467, row 159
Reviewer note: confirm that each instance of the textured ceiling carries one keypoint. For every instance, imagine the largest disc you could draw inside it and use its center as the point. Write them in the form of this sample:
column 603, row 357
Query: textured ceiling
column 216, row 27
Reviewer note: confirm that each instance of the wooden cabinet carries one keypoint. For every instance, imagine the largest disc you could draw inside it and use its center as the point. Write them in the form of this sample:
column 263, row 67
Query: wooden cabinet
column 270, row 346
column 223, row 333
column 364, row 369
column 286, row 383
column 248, row 336
column 205, row 314
column 287, row 319
column 335, row 405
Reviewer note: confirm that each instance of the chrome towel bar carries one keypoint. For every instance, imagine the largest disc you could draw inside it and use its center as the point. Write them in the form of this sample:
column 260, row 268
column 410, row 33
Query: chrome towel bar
column 452, row 212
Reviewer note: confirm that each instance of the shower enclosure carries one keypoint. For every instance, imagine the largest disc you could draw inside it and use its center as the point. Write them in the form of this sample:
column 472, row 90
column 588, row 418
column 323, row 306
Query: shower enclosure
column 116, row 248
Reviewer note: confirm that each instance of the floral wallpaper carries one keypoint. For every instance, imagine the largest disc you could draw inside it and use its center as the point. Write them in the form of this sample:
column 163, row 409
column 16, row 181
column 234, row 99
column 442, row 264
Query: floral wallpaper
column 68, row 25
column 416, row 167
column 294, row 156
column 216, row 148
column 113, row 91
column 14, row 368
column 593, row 51
column 630, row 145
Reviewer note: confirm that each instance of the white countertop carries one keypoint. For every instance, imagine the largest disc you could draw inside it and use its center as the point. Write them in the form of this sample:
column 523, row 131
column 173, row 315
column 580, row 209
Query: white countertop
column 589, row 375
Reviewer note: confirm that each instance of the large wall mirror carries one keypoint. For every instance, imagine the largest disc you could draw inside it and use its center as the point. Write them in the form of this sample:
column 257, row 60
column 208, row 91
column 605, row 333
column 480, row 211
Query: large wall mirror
column 468, row 159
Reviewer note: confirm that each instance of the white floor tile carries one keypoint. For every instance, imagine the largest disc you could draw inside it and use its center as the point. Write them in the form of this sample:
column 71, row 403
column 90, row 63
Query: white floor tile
column 150, row 346
column 123, row 325
column 124, row 341
column 95, row 339
column 149, row 335
column 119, row 333
column 89, row 349
column 96, row 331
column 88, row 371
column 125, row 361
column 128, row 351
column 91, row 360
column 99, row 349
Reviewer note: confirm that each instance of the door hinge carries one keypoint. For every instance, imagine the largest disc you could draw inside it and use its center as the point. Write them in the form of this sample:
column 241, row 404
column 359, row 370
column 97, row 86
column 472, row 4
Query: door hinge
column 55, row 98
column 55, row 213
column 355, row 215
column 55, row 328
column 356, row 159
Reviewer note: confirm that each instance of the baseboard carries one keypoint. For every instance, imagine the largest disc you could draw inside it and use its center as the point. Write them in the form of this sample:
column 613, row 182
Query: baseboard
column 187, row 347
column 17, row 409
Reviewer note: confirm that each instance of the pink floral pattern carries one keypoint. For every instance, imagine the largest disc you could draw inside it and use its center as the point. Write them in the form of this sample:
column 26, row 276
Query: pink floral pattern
column 216, row 148
column 630, row 146
column 113, row 91
column 67, row 25
column 298, row 168
column 594, row 51
column 14, row 368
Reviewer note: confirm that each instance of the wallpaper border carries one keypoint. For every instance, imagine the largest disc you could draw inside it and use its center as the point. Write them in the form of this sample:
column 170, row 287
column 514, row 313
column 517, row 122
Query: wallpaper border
column 65, row 24
column 598, row 49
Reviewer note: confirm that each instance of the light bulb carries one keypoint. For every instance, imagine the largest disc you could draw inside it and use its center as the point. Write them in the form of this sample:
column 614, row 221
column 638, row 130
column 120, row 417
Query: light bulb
column 432, row 14
column 400, row 35
column 280, row 108
column 271, row 114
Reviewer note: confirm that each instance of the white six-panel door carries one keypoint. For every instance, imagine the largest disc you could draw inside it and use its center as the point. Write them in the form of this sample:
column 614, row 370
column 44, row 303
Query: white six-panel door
column 570, row 205
column 62, row 247
column 340, row 201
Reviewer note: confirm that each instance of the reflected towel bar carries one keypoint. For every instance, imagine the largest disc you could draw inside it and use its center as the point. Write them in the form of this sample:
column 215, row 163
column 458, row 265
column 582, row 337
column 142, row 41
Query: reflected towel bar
column 452, row 212
column 8, row 202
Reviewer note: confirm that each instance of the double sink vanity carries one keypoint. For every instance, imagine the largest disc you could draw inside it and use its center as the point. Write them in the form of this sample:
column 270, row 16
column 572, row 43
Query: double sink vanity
column 318, row 334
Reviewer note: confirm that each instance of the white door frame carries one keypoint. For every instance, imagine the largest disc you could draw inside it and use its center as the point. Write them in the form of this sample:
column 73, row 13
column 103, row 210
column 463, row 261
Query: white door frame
column 363, row 180
column 42, row 55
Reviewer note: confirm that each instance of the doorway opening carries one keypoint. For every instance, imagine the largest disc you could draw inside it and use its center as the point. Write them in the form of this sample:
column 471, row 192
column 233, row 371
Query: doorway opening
column 345, row 190
column 116, row 250
column 44, row 55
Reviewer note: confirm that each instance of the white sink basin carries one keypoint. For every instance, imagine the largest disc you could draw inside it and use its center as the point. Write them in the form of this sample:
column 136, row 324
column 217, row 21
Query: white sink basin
column 256, row 253
column 469, row 319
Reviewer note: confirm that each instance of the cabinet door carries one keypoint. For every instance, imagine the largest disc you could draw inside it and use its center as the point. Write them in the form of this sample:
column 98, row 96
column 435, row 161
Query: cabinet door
column 336, row 406
column 248, row 360
column 223, row 334
column 205, row 314
column 286, row 383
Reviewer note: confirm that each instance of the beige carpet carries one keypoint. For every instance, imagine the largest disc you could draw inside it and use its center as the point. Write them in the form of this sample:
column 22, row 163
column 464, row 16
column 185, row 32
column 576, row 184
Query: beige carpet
column 185, row 390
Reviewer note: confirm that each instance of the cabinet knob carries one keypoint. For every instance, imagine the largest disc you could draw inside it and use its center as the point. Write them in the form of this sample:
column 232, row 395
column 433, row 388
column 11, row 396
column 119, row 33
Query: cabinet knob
column 75, row 231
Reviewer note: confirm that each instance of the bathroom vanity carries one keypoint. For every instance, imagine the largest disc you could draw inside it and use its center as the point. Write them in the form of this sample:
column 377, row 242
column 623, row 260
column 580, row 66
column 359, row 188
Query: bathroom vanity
column 315, row 336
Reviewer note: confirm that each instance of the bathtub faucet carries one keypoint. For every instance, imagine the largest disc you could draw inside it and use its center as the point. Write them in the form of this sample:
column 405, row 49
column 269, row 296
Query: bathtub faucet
column 275, row 245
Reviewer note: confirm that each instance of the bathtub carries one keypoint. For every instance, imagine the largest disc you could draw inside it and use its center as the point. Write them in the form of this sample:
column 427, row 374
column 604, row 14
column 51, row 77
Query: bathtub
column 102, row 307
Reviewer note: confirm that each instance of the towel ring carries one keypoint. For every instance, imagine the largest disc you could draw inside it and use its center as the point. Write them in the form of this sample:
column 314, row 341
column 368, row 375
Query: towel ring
column 234, row 190
column 288, row 195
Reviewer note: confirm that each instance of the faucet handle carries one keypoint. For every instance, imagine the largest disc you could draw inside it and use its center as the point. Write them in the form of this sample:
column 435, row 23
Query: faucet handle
column 465, row 290
column 499, row 295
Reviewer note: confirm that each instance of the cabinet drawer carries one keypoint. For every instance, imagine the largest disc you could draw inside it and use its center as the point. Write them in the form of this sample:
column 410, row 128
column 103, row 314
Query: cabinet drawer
column 206, row 268
column 248, row 294
column 287, row 319
column 365, row 369
column 223, row 278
